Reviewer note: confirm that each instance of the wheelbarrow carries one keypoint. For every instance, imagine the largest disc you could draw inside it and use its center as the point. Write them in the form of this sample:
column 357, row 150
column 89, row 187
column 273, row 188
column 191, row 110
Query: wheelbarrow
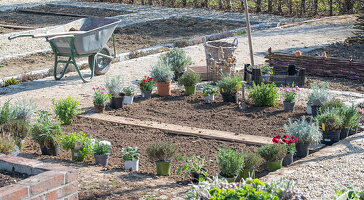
column 85, row 37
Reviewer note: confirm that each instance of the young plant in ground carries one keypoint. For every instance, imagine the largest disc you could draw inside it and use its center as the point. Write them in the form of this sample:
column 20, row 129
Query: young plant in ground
column 128, row 91
column 101, row 97
column 209, row 90
column 162, row 72
column 130, row 153
column 66, row 109
column 289, row 142
column 11, row 81
column 7, row 143
column 147, row 83
column 46, row 131
column 330, row 120
column 101, row 147
column 23, row 109
column 6, row 114
column 230, row 84
column 290, row 94
column 114, row 85
column 189, row 78
column 264, row 94
column 18, row 129
column 193, row 164
column 79, row 142
column 320, row 94
column 162, row 151
column 177, row 59
column 306, row 132
column 252, row 160
column 230, row 162
column 273, row 152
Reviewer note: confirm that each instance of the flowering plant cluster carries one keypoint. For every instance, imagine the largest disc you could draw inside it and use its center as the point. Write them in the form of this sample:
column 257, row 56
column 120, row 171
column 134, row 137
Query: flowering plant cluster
column 102, row 148
column 147, row 83
column 130, row 153
column 290, row 94
column 290, row 142
column 101, row 96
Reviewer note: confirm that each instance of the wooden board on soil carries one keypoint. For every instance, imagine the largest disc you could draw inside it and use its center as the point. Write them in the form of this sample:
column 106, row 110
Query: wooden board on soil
column 183, row 130
column 193, row 111
column 129, row 39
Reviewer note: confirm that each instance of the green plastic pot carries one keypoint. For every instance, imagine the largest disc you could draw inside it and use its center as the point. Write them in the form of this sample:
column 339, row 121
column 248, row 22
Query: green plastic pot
column 246, row 173
column 163, row 168
column 274, row 166
column 190, row 90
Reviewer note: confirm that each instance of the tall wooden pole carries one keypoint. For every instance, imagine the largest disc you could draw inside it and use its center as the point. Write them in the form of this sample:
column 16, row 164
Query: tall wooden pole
column 249, row 32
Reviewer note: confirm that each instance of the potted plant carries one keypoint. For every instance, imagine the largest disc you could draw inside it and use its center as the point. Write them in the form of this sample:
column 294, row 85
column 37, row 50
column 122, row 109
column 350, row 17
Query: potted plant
column 18, row 129
column 102, row 150
column 129, row 95
column 289, row 142
column 331, row 123
column 115, row 87
column 229, row 86
column 348, row 114
column 146, row 86
column 162, row 153
column 100, row 99
column 306, row 132
column 209, row 92
column 163, row 74
column 178, row 61
column 320, row 94
column 230, row 163
column 273, row 154
column 189, row 80
column 194, row 165
column 47, row 133
column 79, row 144
column 131, row 158
column 289, row 95
column 265, row 70
column 252, row 161
column 355, row 122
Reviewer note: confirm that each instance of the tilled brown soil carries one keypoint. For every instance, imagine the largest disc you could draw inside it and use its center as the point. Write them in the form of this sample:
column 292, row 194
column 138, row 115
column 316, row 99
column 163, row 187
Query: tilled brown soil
column 122, row 136
column 193, row 111
column 340, row 84
column 128, row 39
column 8, row 178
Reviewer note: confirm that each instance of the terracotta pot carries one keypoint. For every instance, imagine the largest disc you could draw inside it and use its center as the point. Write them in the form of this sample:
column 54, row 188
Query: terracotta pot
column 99, row 108
column 164, row 88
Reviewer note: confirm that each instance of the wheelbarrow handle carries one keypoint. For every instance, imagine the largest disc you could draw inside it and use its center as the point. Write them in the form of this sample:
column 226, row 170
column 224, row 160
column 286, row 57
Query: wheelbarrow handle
column 16, row 36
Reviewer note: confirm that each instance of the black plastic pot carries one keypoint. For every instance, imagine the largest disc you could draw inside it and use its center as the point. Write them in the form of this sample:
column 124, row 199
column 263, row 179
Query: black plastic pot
column 228, row 97
column 302, row 150
column 331, row 137
column 288, row 106
column 353, row 130
column 315, row 110
column 117, row 102
column 52, row 150
column 344, row 133
column 196, row 177
column 177, row 75
column 288, row 159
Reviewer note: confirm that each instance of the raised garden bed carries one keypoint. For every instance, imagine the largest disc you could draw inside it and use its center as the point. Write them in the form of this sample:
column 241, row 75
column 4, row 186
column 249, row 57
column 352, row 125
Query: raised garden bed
column 8, row 178
column 193, row 111
column 130, row 38
column 48, row 15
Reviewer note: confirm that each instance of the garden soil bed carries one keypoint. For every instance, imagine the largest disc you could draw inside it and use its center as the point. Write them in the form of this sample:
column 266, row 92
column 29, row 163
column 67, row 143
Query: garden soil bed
column 122, row 136
column 339, row 84
column 193, row 111
column 129, row 39
column 8, row 178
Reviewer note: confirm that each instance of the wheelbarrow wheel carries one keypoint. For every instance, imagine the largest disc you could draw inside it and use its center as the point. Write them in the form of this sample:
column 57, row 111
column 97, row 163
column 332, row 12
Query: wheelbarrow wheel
column 102, row 64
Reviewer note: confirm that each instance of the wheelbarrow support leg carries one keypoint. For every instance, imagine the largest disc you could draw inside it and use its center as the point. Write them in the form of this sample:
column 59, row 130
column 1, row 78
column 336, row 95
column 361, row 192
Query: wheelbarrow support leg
column 56, row 61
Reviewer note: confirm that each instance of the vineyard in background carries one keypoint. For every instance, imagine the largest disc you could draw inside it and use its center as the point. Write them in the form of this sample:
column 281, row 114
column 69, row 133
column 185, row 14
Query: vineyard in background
column 297, row 8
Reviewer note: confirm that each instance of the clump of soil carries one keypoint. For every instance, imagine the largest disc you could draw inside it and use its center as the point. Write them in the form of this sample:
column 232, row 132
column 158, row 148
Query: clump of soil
column 193, row 111
column 8, row 178
column 122, row 136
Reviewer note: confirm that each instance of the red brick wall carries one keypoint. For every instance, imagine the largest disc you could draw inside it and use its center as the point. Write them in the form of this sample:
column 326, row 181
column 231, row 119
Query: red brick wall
column 48, row 181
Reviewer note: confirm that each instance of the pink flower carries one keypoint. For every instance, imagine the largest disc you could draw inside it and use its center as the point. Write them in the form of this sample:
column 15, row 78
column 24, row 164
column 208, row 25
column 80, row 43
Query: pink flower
column 94, row 88
column 361, row 111
column 103, row 88
column 285, row 90
column 102, row 92
column 280, row 89
column 294, row 90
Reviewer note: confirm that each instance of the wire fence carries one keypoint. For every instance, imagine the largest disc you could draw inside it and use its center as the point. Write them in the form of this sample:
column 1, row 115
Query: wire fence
column 298, row 8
